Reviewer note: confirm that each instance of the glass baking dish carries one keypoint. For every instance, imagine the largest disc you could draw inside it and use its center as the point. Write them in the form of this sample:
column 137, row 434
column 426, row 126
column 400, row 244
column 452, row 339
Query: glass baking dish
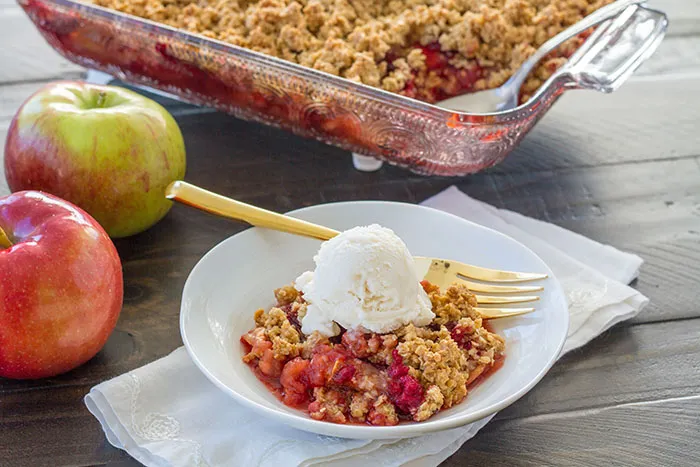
column 402, row 131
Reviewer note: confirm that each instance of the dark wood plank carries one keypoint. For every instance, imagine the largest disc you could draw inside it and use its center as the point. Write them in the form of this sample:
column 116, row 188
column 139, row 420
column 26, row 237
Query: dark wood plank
column 625, row 365
column 11, row 98
column 53, row 431
column 25, row 55
column 676, row 54
column 646, row 119
column 663, row 433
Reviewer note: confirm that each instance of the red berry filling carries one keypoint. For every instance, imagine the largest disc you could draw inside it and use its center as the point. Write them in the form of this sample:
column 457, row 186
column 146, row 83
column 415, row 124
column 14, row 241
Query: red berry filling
column 460, row 335
column 343, row 375
column 404, row 390
column 295, row 382
column 434, row 58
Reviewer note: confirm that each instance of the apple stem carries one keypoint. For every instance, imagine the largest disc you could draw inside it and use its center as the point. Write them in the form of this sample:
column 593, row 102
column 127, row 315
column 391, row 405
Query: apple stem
column 4, row 240
column 101, row 99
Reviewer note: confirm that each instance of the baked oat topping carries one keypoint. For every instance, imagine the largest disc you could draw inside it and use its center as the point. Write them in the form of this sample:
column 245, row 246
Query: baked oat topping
column 362, row 377
column 401, row 46
column 455, row 303
column 278, row 330
column 434, row 401
column 435, row 359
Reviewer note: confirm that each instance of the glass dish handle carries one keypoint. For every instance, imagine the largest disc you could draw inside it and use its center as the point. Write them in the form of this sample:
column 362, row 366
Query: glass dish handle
column 615, row 50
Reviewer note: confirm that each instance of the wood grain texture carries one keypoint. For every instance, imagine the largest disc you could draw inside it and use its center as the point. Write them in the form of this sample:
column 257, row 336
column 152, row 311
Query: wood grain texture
column 646, row 119
column 658, row 433
column 684, row 15
column 25, row 55
column 70, row 437
column 675, row 55
column 642, row 363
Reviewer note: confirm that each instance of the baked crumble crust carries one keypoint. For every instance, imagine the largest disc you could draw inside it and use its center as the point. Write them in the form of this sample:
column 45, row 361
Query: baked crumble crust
column 382, row 43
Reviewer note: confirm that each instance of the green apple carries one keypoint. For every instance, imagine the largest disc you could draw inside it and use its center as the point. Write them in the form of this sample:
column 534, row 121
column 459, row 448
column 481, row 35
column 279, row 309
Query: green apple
column 106, row 149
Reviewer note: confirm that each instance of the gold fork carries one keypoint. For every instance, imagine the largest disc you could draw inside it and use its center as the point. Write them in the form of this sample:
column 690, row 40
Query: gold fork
column 440, row 272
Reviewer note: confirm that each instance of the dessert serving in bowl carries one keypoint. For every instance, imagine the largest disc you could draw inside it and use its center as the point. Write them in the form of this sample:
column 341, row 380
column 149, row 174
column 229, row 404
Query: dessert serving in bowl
column 362, row 75
column 366, row 373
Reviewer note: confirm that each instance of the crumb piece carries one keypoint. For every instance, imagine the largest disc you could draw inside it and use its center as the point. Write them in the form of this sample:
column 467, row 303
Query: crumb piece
column 435, row 359
column 311, row 341
column 283, row 335
column 286, row 295
column 359, row 406
column 329, row 405
column 432, row 403
column 383, row 413
column 452, row 305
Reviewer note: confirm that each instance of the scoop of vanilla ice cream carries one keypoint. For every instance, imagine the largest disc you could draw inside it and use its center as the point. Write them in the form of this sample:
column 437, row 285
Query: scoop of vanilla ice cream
column 365, row 278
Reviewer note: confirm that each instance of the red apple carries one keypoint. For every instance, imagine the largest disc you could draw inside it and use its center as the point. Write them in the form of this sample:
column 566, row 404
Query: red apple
column 106, row 149
column 61, row 286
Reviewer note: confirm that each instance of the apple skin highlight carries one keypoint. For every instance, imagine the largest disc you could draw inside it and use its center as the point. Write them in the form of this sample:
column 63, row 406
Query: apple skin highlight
column 106, row 149
column 61, row 286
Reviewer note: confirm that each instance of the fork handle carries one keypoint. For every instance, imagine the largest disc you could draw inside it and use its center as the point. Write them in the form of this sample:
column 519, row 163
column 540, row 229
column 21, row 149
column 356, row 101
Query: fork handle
column 205, row 200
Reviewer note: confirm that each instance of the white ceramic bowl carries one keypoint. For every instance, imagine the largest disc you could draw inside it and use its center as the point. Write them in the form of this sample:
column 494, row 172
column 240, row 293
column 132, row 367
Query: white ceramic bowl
column 239, row 275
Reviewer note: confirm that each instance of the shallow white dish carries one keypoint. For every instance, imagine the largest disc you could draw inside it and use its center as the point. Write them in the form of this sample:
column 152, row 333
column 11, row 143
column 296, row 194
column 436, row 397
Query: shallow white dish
column 239, row 275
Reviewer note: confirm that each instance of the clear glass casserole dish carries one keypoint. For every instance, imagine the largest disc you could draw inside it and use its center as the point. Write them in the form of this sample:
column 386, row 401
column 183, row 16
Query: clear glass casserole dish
column 399, row 130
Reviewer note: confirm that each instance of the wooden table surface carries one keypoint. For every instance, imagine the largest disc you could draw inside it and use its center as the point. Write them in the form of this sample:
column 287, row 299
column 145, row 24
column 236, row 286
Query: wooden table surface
column 623, row 169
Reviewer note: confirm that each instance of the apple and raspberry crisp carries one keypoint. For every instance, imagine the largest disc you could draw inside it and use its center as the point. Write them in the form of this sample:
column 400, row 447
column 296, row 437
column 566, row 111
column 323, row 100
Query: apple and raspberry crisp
column 378, row 379
column 425, row 49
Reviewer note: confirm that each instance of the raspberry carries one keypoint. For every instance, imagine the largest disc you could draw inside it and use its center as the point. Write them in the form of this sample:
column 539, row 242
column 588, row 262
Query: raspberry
column 397, row 368
column 404, row 390
column 469, row 76
column 406, row 393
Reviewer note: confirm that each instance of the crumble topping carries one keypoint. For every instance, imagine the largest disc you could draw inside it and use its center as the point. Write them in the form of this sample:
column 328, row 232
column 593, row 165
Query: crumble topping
column 383, row 412
column 435, row 359
column 433, row 402
column 455, row 303
column 286, row 295
column 329, row 404
column 411, row 373
column 383, row 43
column 284, row 337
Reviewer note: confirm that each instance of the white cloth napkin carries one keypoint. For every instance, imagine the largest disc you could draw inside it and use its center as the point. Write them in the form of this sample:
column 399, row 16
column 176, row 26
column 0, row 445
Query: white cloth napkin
column 168, row 414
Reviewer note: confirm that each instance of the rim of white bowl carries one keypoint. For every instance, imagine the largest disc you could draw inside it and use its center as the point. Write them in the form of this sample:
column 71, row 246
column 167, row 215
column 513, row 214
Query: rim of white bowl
column 404, row 430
